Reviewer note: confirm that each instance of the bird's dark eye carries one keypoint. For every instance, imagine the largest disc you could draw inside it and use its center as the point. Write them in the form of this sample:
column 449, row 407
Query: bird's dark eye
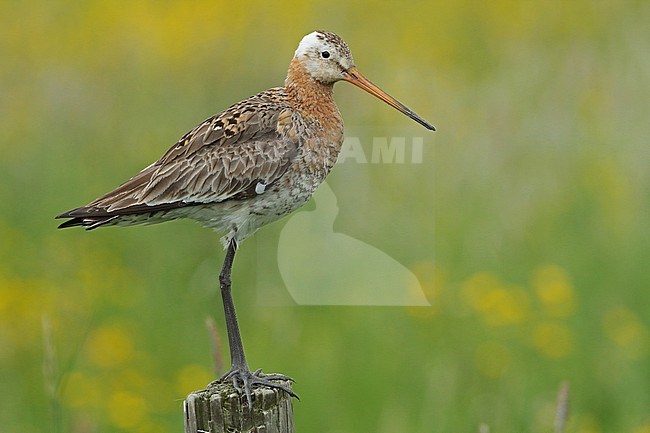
column 325, row 54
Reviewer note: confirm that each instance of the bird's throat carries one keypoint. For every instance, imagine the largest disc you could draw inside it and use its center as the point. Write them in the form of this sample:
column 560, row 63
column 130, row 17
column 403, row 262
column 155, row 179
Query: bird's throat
column 308, row 95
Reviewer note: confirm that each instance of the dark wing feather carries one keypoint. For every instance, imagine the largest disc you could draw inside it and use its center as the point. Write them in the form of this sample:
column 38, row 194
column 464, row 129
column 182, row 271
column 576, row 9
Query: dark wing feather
column 222, row 158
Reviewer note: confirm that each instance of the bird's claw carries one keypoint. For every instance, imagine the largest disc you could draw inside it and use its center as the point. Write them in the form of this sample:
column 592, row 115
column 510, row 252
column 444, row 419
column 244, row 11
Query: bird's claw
column 243, row 379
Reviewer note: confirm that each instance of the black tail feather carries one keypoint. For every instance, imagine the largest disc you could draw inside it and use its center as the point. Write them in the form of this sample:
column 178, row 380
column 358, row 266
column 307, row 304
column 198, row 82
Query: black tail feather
column 87, row 223
column 92, row 217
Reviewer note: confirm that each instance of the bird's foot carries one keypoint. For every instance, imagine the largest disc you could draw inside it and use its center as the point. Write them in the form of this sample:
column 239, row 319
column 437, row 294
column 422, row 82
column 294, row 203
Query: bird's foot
column 243, row 379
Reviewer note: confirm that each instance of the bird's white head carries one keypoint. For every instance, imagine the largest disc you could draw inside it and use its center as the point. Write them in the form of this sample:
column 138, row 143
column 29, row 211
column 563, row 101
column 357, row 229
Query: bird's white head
column 325, row 56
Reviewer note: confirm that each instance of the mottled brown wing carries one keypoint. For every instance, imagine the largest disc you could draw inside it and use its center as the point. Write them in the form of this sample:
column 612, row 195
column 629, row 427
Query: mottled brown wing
column 222, row 158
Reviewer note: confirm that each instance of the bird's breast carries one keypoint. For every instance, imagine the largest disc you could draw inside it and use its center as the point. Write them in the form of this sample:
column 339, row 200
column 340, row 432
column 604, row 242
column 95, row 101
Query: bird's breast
column 317, row 155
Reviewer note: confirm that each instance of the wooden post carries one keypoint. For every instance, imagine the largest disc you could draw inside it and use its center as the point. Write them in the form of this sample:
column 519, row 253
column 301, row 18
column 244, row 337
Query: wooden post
column 220, row 409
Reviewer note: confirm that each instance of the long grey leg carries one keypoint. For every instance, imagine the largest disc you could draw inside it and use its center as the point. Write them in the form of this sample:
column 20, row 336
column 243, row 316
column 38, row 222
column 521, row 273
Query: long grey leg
column 240, row 373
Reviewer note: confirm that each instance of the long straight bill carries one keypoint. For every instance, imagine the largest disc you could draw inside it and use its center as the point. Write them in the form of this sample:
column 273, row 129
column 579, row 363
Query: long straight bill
column 353, row 76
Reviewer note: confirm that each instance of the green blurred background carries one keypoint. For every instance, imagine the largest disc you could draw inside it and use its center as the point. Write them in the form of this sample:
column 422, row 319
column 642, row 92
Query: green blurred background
column 526, row 223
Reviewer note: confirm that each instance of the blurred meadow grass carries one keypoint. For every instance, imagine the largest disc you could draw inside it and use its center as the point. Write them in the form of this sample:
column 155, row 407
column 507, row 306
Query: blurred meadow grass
column 526, row 223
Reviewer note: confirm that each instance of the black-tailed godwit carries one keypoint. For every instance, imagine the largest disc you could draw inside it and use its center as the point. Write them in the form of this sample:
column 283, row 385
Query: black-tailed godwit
column 247, row 166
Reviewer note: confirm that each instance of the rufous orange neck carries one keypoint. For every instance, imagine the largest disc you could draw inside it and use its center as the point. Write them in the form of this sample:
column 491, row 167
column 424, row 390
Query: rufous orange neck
column 307, row 94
